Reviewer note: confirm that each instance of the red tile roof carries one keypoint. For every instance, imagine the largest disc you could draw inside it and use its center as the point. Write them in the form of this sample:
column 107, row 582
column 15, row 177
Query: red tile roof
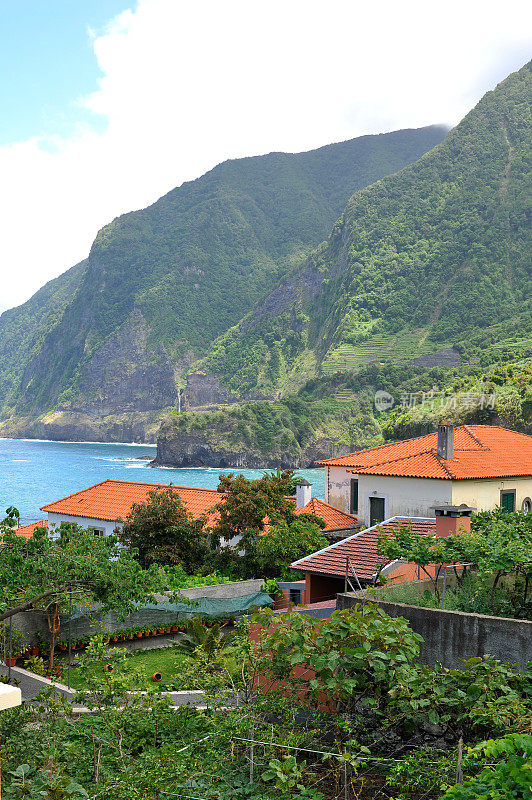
column 361, row 549
column 333, row 518
column 27, row 530
column 480, row 451
column 112, row 499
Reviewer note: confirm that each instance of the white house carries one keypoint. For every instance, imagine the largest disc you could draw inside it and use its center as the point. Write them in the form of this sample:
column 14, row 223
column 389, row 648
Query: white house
column 101, row 507
column 482, row 466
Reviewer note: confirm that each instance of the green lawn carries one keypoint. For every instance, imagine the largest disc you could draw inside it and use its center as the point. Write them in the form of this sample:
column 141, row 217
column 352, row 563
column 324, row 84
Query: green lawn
column 167, row 661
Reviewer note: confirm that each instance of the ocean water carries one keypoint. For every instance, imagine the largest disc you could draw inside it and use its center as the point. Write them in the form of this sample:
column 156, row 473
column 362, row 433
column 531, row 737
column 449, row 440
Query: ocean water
column 33, row 472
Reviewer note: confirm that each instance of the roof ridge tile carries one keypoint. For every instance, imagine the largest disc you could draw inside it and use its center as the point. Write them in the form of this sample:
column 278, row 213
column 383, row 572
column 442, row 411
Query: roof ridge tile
column 378, row 447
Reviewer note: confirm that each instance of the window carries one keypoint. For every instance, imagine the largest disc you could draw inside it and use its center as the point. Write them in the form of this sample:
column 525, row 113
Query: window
column 294, row 596
column 526, row 505
column 97, row 531
column 354, row 496
column 508, row 500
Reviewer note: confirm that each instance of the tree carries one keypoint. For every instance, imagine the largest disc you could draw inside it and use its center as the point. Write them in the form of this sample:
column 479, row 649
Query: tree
column 42, row 572
column 247, row 504
column 355, row 656
column 163, row 531
column 499, row 544
column 288, row 542
column 250, row 508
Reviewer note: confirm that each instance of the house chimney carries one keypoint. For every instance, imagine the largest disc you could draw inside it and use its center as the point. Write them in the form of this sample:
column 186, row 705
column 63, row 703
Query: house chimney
column 452, row 519
column 303, row 493
column 445, row 441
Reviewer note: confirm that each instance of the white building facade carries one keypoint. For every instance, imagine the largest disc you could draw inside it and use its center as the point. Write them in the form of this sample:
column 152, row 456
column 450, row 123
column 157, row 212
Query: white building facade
column 488, row 467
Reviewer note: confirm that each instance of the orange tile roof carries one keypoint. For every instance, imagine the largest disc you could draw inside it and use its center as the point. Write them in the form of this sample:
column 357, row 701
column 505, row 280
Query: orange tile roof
column 112, row 500
column 27, row 530
column 480, row 451
column 333, row 518
column 361, row 549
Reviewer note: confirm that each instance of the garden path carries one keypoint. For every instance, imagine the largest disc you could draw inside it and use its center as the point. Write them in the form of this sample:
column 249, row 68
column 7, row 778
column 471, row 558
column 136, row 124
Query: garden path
column 30, row 686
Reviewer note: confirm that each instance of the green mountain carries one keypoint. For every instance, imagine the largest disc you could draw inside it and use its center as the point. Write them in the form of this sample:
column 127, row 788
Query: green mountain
column 112, row 335
column 426, row 266
column 23, row 329
column 335, row 415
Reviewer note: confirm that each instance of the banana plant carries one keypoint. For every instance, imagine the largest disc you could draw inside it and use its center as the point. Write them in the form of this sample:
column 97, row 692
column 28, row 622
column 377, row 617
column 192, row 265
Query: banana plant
column 199, row 635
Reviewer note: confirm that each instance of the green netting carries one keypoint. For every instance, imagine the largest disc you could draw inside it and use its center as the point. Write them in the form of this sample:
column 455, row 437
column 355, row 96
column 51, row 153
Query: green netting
column 85, row 621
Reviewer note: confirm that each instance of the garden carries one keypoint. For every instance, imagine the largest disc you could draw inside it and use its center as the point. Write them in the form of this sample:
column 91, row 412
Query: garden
column 369, row 723
column 293, row 708
column 485, row 571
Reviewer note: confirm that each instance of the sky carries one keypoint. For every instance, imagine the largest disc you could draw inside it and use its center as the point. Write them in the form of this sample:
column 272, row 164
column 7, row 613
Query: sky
column 108, row 104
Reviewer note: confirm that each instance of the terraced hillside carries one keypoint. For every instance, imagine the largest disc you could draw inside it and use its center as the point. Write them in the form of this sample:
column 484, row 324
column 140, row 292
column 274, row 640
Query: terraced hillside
column 432, row 258
column 162, row 283
column 405, row 346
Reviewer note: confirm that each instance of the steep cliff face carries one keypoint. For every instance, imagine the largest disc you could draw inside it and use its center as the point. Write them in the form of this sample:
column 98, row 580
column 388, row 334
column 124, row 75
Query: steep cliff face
column 71, row 426
column 194, row 449
column 422, row 260
column 205, row 390
column 124, row 375
column 23, row 329
column 162, row 283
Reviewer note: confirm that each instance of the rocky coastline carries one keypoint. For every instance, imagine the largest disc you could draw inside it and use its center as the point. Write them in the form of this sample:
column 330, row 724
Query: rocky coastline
column 180, row 449
column 66, row 426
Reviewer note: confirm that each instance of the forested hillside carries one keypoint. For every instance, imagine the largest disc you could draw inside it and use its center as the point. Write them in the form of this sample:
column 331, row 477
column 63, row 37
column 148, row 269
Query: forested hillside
column 335, row 415
column 160, row 284
column 434, row 257
column 223, row 284
column 22, row 329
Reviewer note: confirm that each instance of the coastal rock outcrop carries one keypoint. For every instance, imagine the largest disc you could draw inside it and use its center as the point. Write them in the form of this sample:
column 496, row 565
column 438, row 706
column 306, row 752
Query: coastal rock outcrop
column 192, row 449
column 68, row 426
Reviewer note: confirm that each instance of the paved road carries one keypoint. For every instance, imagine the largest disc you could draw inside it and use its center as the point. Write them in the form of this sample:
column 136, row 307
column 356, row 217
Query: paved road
column 30, row 685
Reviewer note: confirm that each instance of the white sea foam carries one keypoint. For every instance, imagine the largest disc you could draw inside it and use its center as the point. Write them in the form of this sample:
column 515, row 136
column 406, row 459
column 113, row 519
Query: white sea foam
column 65, row 441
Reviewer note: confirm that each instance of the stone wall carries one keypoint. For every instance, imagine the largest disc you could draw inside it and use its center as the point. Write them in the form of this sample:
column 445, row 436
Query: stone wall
column 450, row 636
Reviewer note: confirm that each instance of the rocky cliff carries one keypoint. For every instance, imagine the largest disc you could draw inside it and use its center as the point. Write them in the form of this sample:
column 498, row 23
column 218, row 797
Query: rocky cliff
column 72, row 426
column 176, row 449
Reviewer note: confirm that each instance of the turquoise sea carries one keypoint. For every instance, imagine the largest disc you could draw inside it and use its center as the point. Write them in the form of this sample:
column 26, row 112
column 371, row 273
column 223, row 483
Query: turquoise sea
column 33, row 472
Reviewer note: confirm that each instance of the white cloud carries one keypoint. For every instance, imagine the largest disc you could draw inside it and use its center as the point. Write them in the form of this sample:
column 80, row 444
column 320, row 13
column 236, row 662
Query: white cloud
column 188, row 84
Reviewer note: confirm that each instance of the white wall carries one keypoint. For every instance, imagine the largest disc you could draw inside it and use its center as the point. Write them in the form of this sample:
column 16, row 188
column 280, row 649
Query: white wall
column 415, row 496
column 84, row 522
column 411, row 497
column 337, row 488
column 486, row 495
column 402, row 496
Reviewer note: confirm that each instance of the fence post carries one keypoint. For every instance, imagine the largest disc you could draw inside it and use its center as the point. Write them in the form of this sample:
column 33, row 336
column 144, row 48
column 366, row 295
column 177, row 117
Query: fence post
column 251, row 756
column 69, row 637
column 459, row 774
column 9, row 648
column 345, row 781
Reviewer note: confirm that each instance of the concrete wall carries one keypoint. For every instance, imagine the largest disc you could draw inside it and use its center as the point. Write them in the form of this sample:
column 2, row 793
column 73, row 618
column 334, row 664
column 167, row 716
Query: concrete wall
column 486, row 495
column 450, row 636
column 223, row 591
